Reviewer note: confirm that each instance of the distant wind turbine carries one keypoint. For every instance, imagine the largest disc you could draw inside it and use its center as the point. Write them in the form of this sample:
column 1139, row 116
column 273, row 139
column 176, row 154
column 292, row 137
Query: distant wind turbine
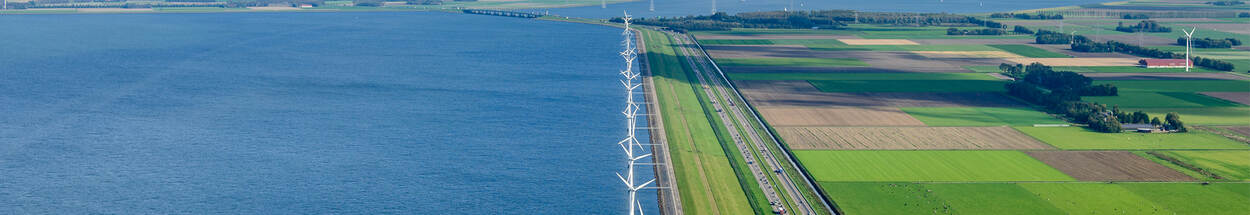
column 1189, row 36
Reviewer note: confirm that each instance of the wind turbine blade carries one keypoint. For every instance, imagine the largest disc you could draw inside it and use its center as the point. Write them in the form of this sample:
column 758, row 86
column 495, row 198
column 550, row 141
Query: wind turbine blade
column 618, row 175
column 644, row 184
column 639, row 204
column 642, row 156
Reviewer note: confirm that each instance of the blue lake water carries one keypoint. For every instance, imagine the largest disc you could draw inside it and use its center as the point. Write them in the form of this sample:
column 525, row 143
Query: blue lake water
column 302, row 113
column 673, row 8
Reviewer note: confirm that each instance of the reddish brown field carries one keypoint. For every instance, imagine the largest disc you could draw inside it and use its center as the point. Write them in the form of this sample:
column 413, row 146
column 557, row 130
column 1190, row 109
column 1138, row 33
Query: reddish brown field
column 849, row 116
column 1107, row 166
column 907, row 138
column 1242, row 130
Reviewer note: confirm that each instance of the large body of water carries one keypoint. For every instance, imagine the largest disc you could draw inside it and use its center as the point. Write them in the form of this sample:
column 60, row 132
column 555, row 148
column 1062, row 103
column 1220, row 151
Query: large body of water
column 308, row 113
column 674, row 8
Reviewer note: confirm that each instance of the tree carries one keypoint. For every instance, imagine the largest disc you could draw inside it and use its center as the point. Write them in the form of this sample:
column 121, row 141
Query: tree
column 1155, row 122
column 1173, row 122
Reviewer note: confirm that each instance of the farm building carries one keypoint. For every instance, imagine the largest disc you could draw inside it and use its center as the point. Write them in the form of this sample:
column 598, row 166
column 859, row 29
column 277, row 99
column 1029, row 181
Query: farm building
column 1143, row 128
column 1163, row 63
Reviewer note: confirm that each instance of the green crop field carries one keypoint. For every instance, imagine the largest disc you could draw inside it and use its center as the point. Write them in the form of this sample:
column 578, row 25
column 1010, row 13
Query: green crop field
column 1232, row 165
column 1080, row 138
column 834, row 166
column 961, row 116
column 707, row 182
column 1180, row 85
column 921, row 198
column 736, row 42
column 1206, row 116
column 1161, row 100
column 840, row 47
column 910, row 85
column 1029, row 51
column 860, row 76
column 1039, row 198
column 797, row 62
column 1127, row 69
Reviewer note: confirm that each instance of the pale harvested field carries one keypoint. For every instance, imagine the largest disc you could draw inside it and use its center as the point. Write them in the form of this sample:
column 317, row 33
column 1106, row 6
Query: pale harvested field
column 1163, row 76
column 878, row 42
column 967, row 54
column 907, row 138
column 844, row 116
column 1078, row 61
column 803, row 94
column 766, row 37
column 273, row 8
column 971, row 41
column 1107, row 166
column 1239, row 97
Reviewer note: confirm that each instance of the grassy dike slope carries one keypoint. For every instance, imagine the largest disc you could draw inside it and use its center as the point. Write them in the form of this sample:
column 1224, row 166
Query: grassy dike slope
column 705, row 178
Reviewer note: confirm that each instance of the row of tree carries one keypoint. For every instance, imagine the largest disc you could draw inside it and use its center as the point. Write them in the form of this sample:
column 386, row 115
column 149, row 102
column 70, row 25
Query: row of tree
column 1022, row 30
column 1052, row 37
column 1143, row 26
column 1243, row 15
column 986, row 31
column 1135, row 16
column 1211, row 43
column 1025, row 16
column 1172, row 121
column 1084, row 44
column 824, row 19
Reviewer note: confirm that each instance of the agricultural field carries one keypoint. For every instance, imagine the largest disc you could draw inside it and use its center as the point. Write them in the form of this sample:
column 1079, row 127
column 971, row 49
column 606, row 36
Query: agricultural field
column 1029, row 51
column 1107, row 166
column 1074, row 138
column 980, row 116
column 907, row 138
column 795, row 62
column 903, row 166
column 880, row 116
column 925, row 127
column 1231, row 165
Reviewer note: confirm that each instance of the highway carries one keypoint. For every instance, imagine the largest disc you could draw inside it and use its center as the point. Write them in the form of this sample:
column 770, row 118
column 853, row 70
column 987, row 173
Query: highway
column 766, row 167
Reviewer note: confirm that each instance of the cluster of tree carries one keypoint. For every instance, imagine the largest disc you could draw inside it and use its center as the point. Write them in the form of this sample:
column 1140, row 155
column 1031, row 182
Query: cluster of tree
column 1135, row 16
column 1025, row 16
column 1060, row 92
column 1212, row 64
column 1143, row 26
column 1171, row 122
column 1211, row 43
column 824, row 19
column 1022, row 30
column 1081, row 46
column 1226, row 3
column 987, row 31
column 1051, row 37
column 1243, row 15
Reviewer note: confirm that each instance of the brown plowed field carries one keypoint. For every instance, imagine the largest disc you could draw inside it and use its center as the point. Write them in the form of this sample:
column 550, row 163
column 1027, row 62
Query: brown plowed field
column 856, row 42
column 1107, row 166
column 1243, row 130
column 860, row 116
column 907, row 138
column 803, row 94
column 1239, row 97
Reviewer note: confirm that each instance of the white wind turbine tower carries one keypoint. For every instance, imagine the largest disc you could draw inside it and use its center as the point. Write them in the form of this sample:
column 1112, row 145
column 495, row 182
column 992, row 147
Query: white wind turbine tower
column 630, row 143
column 652, row 5
column 1189, row 36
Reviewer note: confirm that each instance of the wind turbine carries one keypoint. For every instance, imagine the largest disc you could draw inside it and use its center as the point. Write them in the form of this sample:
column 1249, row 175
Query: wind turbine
column 652, row 5
column 1189, row 36
column 630, row 143
column 603, row 4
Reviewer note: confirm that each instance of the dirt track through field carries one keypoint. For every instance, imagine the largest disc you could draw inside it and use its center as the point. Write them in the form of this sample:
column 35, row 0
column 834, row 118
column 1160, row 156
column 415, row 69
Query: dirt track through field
column 1107, row 166
column 907, row 138
column 849, row 116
